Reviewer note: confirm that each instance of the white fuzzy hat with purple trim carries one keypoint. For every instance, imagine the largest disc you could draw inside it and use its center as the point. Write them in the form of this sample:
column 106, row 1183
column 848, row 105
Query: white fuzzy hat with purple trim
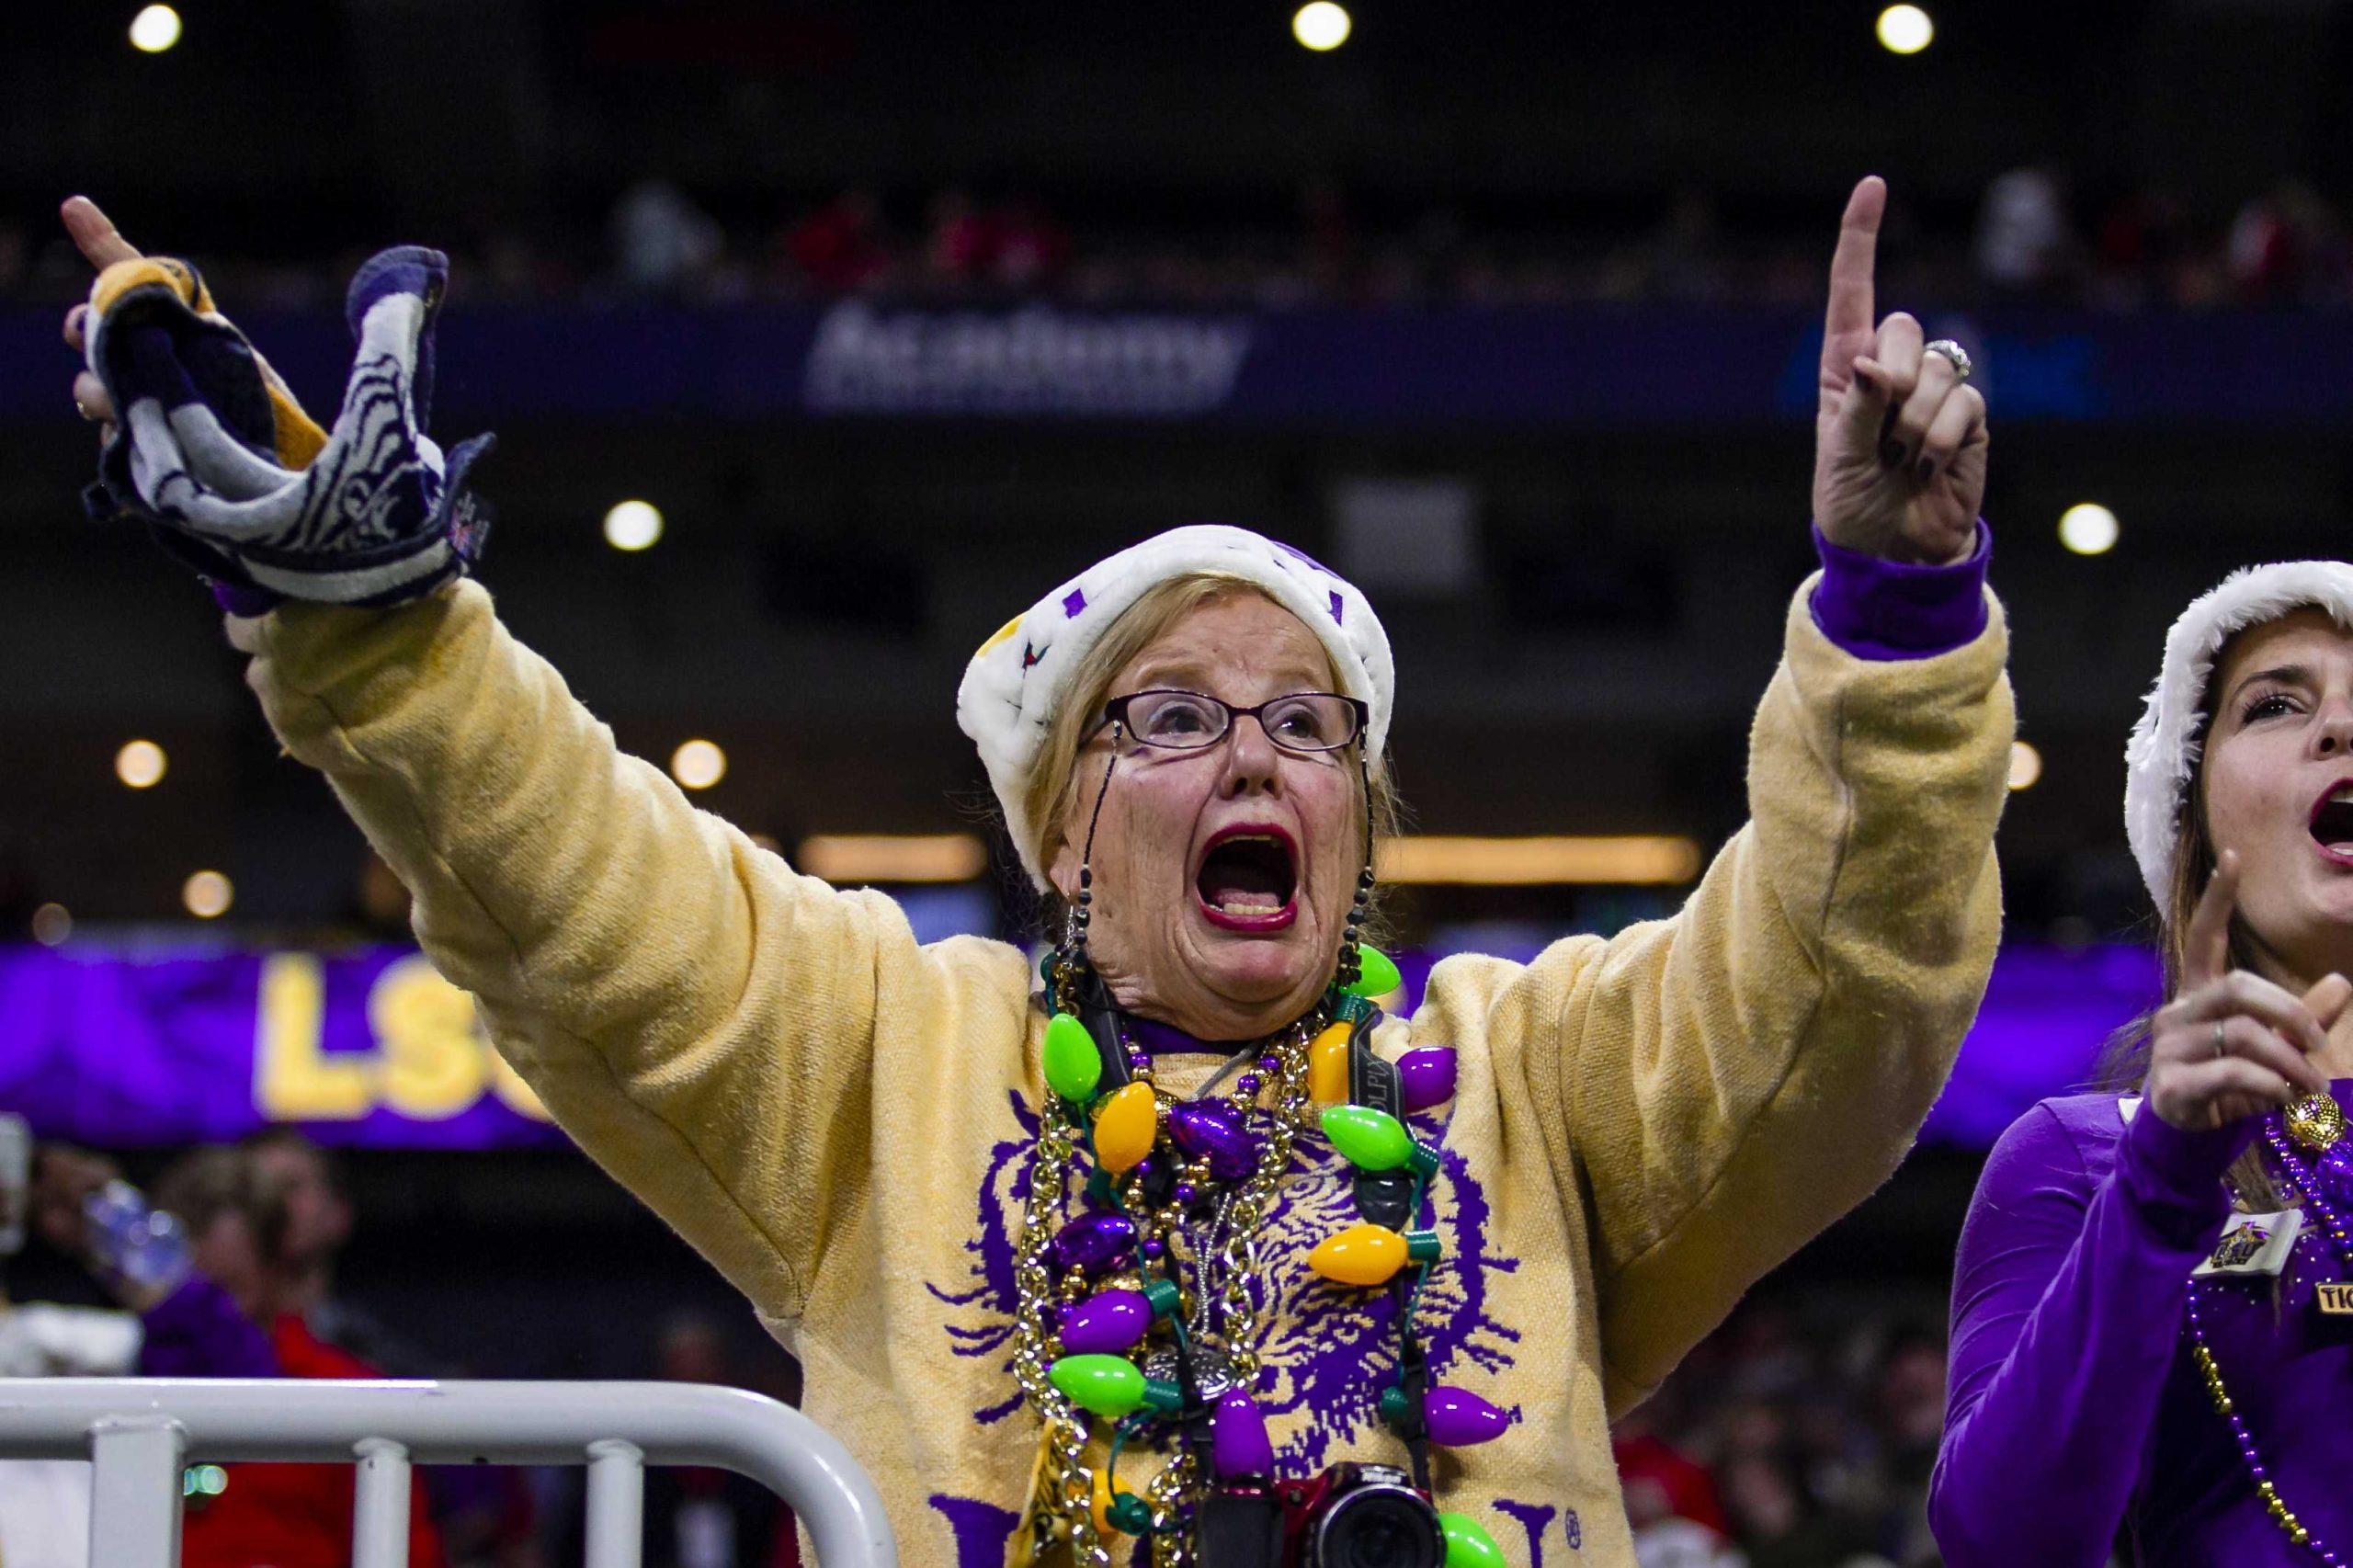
column 1022, row 675
column 2161, row 759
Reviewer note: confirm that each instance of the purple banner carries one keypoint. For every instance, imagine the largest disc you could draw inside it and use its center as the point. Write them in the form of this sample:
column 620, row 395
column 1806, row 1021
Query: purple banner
column 371, row 1048
column 2047, row 1015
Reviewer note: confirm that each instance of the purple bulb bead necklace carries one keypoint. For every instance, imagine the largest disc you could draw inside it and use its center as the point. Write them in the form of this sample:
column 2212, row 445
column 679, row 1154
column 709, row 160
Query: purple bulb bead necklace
column 1235, row 1151
column 2305, row 1182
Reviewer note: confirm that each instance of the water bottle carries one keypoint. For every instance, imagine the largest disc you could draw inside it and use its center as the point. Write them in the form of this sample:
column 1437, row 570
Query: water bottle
column 133, row 1244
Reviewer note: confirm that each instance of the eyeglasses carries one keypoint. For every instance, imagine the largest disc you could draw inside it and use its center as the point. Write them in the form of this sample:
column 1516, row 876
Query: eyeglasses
column 1304, row 722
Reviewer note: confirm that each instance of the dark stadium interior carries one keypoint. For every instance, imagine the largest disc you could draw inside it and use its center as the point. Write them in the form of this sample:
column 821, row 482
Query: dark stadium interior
column 1623, row 209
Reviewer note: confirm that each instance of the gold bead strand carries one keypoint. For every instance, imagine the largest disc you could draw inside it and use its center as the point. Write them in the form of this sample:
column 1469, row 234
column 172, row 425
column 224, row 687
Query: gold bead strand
column 1067, row 1489
column 2266, row 1490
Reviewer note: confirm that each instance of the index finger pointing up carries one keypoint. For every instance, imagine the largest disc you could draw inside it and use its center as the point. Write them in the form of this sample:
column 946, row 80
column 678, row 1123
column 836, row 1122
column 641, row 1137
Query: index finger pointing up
column 2206, row 955
column 1847, row 331
column 94, row 233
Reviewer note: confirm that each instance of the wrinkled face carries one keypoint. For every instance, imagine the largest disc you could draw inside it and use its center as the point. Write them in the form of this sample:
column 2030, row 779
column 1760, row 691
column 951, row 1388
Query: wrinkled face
column 2279, row 782
column 1223, row 875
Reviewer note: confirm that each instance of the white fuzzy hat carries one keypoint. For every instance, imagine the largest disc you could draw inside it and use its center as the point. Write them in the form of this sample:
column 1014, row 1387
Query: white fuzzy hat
column 2162, row 756
column 1022, row 675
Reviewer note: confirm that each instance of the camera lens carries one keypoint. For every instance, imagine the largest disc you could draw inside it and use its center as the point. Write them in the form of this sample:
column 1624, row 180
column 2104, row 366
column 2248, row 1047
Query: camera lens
column 1380, row 1528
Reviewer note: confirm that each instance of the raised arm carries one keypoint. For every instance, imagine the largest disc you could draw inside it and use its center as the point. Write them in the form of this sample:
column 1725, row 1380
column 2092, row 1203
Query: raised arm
column 1717, row 1087
column 700, row 1018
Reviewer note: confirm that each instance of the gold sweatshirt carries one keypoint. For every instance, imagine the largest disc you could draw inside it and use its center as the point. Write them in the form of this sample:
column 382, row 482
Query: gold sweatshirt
column 837, row 1116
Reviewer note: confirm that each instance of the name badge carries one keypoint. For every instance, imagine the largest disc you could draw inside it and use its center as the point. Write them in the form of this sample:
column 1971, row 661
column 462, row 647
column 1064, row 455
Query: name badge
column 2254, row 1244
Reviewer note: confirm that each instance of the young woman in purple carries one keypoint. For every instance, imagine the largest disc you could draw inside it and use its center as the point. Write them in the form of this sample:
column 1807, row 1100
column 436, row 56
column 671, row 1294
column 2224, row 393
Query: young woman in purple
column 2152, row 1318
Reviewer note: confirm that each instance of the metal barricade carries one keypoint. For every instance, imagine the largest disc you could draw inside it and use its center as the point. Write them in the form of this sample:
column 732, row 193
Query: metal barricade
column 141, row 1434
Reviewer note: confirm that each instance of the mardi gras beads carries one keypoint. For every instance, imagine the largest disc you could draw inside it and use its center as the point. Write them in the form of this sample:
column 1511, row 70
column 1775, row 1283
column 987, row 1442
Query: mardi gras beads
column 1468, row 1545
column 1375, row 1140
column 1368, row 1255
column 1093, row 1243
column 1238, row 1442
column 1113, row 1321
column 1126, row 1127
column 1426, row 1077
column 1072, row 1063
column 1327, row 1063
column 1214, row 1134
column 1141, row 1198
column 1113, row 1386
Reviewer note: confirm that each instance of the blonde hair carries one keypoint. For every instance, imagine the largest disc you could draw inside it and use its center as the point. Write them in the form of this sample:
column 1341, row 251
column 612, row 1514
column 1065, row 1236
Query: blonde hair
column 1055, row 788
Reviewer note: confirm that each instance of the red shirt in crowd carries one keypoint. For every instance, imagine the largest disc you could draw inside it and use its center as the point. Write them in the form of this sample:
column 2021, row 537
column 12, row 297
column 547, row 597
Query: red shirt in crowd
column 293, row 1515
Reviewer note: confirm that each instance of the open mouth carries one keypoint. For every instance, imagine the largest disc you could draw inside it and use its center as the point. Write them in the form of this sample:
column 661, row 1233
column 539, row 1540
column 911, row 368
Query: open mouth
column 1249, row 879
column 2332, row 824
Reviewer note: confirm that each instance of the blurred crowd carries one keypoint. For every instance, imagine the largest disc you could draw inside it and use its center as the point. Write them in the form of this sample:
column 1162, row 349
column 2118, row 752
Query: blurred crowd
column 1800, row 1435
column 225, row 1265
column 2034, row 237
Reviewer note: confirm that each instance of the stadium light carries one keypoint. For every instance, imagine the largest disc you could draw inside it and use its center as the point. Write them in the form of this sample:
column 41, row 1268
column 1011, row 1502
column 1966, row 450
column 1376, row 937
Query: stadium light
column 140, row 764
column 2088, row 528
column 854, row 858
column 697, row 764
column 1322, row 26
column 2026, row 765
column 634, row 525
column 208, row 895
column 1905, row 30
column 1644, row 859
column 155, row 30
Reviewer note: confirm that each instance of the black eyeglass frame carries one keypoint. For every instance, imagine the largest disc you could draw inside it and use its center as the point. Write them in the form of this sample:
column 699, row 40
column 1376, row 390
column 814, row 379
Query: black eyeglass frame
column 1115, row 711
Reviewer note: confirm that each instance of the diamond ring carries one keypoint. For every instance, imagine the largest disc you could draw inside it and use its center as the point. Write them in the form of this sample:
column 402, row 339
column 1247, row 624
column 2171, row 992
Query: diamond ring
column 1954, row 352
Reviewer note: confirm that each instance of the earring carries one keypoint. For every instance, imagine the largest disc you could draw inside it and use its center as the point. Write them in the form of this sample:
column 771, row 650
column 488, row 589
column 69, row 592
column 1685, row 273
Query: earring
column 1351, row 950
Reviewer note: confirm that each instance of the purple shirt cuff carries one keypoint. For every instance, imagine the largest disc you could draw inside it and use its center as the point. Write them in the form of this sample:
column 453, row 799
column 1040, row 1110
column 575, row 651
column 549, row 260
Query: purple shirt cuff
column 2175, row 1177
column 1885, row 610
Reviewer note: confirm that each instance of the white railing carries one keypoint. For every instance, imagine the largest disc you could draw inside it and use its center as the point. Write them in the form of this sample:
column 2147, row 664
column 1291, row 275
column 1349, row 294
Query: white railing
column 141, row 1434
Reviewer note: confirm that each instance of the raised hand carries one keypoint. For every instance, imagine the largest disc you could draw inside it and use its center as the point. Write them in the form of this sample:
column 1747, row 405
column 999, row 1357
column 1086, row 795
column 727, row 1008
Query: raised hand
column 255, row 496
column 1899, row 454
column 2232, row 1044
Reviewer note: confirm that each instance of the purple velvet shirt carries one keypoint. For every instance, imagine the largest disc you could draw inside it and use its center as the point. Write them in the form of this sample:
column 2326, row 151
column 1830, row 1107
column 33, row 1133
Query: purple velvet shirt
column 2076, row 1420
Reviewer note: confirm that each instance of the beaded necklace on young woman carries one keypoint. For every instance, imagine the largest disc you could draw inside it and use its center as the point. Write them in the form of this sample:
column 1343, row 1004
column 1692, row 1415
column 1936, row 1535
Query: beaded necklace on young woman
column 2309, row 1155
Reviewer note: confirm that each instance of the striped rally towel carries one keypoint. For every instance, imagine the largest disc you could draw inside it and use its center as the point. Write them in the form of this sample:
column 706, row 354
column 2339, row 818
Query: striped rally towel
column 236, row 481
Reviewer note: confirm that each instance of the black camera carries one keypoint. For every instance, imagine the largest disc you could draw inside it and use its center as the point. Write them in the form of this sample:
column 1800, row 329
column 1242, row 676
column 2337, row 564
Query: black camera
column 1352, row 1515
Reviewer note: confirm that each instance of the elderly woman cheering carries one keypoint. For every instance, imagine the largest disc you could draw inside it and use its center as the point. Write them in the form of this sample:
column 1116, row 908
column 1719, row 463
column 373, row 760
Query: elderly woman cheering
column 1177, row 1246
